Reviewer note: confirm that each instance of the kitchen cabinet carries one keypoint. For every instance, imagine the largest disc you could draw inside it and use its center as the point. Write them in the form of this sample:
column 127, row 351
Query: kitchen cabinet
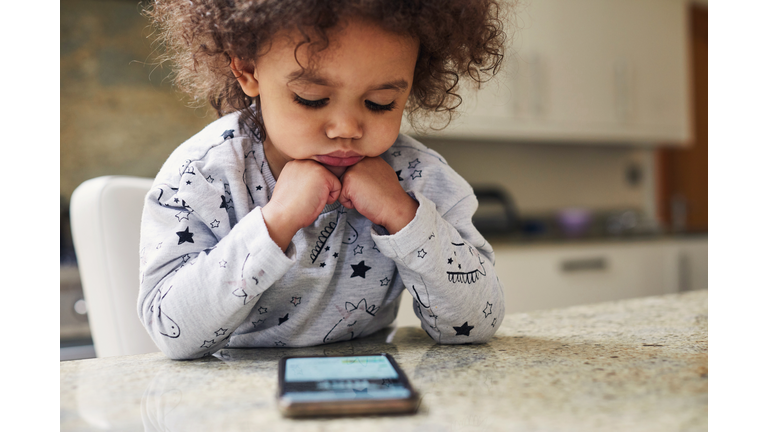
column 587, row 71
column 692, row 261
column 553, row 275
column 550, row 276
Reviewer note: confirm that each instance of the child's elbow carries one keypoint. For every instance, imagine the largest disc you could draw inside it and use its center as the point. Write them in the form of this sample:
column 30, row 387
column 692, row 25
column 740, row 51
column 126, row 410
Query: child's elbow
column 171, row 346
column 474, row 340
column 466, row 334
column 181, row 353
column 180, row 356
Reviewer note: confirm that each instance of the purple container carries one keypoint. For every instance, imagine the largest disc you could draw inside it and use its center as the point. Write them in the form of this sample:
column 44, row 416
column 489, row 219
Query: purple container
column 574, row 222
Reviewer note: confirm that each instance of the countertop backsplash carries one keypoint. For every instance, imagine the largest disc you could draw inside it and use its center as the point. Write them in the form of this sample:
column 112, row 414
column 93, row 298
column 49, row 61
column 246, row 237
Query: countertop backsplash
column 547, row 177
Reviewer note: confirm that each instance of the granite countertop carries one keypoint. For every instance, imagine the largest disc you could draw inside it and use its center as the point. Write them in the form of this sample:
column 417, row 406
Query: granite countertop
column 631, row 365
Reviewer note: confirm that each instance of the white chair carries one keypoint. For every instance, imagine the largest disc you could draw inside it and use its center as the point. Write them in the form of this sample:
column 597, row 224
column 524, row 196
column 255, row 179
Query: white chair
column 105, row 214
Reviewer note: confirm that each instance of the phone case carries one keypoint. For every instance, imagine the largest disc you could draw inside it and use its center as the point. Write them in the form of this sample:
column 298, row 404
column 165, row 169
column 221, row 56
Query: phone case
column 346, row 407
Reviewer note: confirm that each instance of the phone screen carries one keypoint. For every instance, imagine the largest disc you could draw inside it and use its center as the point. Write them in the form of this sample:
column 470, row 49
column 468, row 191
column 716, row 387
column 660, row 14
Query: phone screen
column 367, row 377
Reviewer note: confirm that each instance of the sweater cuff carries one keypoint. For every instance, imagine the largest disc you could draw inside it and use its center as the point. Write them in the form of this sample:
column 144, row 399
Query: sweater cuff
column 413, row 235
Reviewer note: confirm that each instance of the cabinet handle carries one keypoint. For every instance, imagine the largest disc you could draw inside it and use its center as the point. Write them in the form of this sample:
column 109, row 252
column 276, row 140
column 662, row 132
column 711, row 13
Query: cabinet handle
column 585, row 264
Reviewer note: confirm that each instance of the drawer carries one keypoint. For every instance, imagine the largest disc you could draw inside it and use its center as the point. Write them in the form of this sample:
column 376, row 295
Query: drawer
column 560, row 276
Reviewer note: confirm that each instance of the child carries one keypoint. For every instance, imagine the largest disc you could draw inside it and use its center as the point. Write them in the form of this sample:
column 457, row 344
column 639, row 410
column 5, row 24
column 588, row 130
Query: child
column 300, row 215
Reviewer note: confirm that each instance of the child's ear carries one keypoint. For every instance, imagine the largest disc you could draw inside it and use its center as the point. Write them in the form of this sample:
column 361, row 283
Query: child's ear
column 246, row 76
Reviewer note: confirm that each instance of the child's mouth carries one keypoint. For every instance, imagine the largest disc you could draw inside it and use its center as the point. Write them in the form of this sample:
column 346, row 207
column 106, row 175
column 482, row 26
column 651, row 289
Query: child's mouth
column 339, row 161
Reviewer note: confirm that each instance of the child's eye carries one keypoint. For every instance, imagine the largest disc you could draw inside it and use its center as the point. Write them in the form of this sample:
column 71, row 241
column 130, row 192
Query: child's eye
column 319, row 103
column 310, row 103
column 376, row 107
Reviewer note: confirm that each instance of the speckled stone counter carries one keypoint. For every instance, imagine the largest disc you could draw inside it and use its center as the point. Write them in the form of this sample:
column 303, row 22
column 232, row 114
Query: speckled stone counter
column 633, row 365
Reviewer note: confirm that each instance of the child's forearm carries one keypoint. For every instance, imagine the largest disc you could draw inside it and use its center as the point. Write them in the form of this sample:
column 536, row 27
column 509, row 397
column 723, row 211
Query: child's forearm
column 193, row 295
column 402, row 216
column 281, row 228
column 448, row 269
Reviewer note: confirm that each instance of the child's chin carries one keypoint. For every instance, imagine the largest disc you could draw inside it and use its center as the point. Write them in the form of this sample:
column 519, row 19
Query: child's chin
column 338, row 171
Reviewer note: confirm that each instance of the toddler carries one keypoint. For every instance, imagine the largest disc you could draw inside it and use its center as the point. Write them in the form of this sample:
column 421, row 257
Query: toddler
column 301, row 215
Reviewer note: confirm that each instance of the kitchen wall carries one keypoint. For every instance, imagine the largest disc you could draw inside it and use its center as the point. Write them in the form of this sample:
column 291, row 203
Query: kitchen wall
column 546, row 177
column 119, row 115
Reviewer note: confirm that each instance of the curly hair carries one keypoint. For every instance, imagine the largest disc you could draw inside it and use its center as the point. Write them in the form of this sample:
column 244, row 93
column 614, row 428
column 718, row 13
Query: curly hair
column 458, row 39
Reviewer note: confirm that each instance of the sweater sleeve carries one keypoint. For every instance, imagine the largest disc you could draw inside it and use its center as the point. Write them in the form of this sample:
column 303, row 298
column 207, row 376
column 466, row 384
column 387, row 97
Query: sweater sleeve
column 448, row 268
column 197, row 285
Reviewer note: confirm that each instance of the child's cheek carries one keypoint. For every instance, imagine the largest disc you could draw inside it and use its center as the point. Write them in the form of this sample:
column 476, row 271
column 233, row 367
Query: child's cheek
column 289, row 129
column 386, row 133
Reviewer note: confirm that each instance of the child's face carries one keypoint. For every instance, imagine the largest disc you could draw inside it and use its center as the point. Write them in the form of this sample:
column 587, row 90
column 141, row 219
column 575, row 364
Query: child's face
column 347, row 107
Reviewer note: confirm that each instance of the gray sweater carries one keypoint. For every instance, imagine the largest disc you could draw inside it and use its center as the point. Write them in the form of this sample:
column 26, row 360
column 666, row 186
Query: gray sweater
column 211, row 276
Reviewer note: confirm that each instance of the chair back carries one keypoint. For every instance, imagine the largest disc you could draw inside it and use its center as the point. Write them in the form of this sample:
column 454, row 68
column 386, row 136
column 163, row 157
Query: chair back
column 105, row 214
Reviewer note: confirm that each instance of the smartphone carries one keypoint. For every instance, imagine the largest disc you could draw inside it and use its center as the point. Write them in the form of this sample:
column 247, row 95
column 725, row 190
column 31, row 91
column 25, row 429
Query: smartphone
column 343, row 385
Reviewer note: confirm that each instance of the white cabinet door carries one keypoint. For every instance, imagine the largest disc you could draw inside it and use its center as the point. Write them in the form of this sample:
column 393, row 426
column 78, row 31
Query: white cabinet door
column 588, row 70
column 560, row 276
column 693, row 264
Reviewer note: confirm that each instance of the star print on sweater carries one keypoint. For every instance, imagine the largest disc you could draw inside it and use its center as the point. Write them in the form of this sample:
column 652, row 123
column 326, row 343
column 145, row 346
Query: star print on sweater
column 185, row 236
column 359, row 269
column 487, row 311
column 464, row 329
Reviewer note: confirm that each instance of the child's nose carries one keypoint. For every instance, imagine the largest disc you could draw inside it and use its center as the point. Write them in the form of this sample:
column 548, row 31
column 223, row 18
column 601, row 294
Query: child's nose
column 345, row 125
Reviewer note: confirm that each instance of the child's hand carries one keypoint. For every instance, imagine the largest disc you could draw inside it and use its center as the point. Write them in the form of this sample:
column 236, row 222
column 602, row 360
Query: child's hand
column 371, row 187
column 302, row 190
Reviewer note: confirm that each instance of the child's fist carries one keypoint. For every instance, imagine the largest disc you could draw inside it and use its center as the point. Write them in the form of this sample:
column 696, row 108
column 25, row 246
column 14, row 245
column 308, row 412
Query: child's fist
column 371, row 187
column 302, row 190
